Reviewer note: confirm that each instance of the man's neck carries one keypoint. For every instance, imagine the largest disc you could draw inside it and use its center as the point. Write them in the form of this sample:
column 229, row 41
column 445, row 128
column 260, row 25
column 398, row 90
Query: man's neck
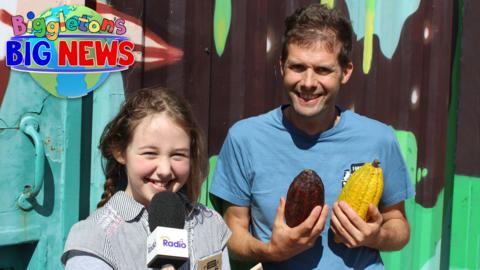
column 315, row 125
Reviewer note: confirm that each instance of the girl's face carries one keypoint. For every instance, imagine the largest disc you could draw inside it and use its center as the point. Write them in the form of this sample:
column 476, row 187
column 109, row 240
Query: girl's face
column 157, row 159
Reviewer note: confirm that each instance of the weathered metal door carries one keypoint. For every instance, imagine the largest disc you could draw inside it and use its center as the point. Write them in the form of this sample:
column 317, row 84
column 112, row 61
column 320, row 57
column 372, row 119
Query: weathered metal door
column 40, row 159
column 39, row 173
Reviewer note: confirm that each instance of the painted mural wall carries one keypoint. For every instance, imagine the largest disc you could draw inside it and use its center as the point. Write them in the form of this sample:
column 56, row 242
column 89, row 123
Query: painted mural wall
column 465, row 233
column 223, row 56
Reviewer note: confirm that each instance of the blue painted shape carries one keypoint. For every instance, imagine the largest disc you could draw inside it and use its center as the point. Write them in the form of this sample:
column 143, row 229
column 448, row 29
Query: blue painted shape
column 65, row 82
column 390, row 16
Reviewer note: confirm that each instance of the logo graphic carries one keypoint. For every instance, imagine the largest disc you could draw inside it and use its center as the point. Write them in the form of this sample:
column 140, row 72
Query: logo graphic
column 212, row 265
column 348, row 173
column 151, row 247
column 167, row 243
column 69, row 50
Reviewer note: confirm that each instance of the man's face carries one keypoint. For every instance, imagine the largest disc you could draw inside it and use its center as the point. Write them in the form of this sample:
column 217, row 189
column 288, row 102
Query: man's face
column 312, row 77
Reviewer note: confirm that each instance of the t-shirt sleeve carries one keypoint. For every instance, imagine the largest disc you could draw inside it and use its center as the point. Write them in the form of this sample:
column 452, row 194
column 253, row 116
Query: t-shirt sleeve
column 232, row 177
column 397, row 183
column 86, row 237
column 85, row 261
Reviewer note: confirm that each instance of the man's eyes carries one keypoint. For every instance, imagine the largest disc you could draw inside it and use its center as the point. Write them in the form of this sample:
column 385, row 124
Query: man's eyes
column 318, row 70
column 297, row 67
column 322, row 70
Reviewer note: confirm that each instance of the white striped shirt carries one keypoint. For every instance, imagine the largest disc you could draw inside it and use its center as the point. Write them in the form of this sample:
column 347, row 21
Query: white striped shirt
column 117, row 233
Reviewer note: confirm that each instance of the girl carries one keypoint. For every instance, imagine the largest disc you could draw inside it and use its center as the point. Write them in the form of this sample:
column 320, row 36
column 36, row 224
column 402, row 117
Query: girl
column 152, row 145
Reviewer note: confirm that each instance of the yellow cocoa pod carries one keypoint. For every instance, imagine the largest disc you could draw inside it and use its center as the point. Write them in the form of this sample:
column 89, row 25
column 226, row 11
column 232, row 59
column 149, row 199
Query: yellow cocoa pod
column 364, row 186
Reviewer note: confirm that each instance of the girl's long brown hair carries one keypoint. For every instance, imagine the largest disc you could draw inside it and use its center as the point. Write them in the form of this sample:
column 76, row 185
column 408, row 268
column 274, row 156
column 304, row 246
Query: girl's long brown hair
column 119, row 133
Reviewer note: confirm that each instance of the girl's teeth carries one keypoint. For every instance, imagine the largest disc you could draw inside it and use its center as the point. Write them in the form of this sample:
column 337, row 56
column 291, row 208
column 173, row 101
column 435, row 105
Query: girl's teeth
column 160, row 184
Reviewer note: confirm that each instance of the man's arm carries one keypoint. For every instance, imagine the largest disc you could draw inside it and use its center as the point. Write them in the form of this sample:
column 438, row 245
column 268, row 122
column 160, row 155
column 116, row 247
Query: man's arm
column 285, row 242
column 386, row 230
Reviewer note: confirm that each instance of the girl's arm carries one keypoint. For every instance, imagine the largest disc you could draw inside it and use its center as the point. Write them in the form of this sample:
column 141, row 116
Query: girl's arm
column 86, row 261
column 225, row 259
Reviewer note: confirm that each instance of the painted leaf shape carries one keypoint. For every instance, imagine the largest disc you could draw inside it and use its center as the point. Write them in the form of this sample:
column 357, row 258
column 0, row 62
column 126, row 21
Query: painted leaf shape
column 329, row 3
column 221, row 24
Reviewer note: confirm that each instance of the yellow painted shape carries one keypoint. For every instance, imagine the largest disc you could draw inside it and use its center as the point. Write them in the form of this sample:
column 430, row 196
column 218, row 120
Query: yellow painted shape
column 368, row 37
column 330, row 3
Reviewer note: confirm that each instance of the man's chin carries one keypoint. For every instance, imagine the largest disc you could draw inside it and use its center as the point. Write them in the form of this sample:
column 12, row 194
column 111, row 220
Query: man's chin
column 306, row 112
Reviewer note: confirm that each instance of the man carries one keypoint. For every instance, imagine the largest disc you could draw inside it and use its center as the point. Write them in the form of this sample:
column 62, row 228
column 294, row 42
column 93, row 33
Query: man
column 261, row 156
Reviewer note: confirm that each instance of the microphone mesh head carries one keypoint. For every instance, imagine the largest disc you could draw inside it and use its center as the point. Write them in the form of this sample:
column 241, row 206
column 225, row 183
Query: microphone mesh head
column 166, row 209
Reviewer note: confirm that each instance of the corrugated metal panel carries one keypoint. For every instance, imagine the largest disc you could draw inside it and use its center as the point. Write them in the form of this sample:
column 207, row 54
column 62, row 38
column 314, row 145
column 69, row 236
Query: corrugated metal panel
column 407, row 86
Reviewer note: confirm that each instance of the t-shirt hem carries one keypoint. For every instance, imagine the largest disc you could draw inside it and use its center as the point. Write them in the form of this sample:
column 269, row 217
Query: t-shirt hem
column 230, row 198
column 399, row 197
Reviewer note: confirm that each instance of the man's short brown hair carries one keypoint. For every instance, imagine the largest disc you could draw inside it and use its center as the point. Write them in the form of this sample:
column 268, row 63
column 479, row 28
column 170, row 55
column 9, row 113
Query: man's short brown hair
column 317, row 23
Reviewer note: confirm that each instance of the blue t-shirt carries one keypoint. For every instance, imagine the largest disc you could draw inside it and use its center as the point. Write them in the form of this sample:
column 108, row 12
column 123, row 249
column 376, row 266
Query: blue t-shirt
column 262, row 155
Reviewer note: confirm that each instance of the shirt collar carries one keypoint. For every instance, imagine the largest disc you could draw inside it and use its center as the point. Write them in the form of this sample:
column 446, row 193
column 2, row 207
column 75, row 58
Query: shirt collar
column 127, row 207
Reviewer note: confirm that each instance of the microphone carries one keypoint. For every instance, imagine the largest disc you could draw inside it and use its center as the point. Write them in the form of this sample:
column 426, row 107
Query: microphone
column 168, row 242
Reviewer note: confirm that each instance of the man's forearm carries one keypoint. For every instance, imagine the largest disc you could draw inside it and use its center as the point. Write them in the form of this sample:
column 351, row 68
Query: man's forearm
column 394, row 235
column 246, row 247
column 242, row 244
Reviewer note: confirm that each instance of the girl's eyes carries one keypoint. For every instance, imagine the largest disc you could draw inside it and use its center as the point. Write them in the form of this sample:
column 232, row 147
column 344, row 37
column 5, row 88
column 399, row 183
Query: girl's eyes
column 180, row 156
column 176, row 156
column 149, row 154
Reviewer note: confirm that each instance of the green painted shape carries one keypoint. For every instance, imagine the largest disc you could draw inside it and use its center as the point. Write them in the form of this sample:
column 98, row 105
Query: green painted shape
column 422, row 173
column 46, row 81
column 204, row 193
column 465, row 238
column 329, row 3
column 221, row 24
column 409, row 150
column 423, row 250
column 91, row 79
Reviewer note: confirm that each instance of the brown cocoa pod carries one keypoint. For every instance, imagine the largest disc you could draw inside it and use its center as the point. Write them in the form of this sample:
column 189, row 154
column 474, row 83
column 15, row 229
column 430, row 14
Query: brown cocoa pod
column 305, row 192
